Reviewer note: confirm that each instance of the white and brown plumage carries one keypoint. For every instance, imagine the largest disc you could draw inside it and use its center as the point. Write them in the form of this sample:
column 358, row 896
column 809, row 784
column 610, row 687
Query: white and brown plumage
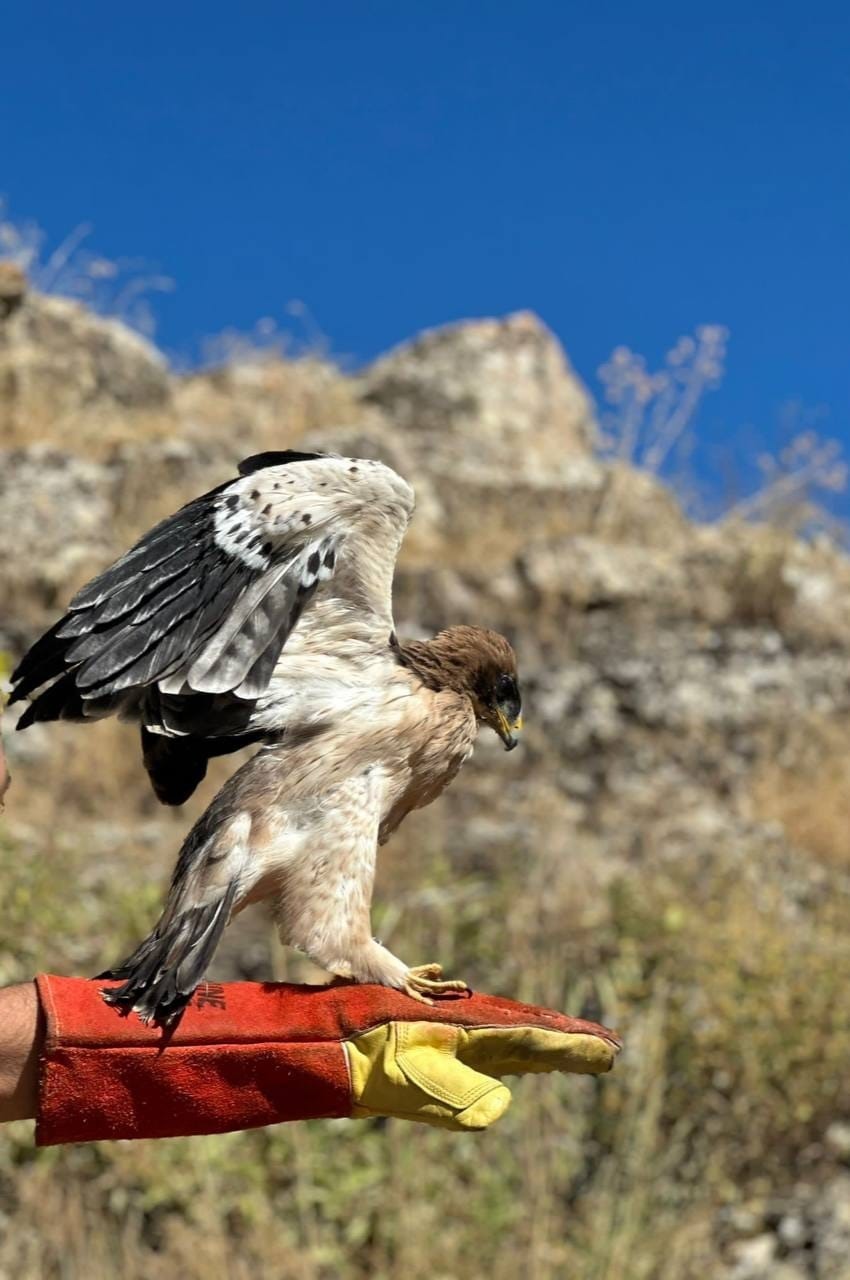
column 261, row 612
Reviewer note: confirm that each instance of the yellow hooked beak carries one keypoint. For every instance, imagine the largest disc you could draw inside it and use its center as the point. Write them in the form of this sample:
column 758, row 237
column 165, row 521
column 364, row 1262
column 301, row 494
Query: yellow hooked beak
column 507, row 729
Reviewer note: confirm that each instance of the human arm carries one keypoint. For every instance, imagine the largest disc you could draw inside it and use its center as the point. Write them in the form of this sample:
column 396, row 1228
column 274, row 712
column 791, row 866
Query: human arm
column 248, row 1054
column 21, row 1040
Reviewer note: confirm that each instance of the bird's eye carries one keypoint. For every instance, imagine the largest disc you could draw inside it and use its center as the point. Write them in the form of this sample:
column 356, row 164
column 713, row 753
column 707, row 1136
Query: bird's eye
column 506, row 687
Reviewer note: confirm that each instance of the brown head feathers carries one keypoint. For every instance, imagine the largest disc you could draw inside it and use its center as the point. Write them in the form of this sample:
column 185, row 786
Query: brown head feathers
column 468, row 660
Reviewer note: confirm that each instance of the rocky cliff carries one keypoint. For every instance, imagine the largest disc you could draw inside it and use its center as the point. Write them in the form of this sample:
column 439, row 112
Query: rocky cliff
column 668, row 850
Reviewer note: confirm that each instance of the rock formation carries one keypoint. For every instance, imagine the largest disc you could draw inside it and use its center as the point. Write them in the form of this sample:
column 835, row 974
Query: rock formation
column 686, row 686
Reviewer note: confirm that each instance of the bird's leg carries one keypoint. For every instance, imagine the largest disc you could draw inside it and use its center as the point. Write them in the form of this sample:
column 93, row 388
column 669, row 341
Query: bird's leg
column 427, row 980
column 324, row 909
column 371, row 961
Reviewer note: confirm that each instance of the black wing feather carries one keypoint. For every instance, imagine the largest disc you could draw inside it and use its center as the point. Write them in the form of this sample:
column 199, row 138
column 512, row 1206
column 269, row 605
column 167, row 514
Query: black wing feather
column 275, row 458
column 140, row 653
column 61, row 701
column 41, row 663
column 148, row 586
column 168, row 538
column 180, row 596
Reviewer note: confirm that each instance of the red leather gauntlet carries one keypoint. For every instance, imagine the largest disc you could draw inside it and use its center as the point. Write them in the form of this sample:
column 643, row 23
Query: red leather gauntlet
column 247, row 1054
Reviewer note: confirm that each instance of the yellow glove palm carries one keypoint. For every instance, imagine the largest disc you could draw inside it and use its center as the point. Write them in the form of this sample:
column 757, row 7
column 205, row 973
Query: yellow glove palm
column 449, row 1076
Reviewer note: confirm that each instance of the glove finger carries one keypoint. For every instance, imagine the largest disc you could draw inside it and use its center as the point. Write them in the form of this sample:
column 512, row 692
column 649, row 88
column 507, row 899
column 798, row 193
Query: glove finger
column 521, row 1050
column 482, row 1010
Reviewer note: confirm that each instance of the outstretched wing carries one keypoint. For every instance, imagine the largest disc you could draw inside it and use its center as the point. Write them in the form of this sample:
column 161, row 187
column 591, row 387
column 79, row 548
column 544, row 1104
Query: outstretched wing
column 205, row 602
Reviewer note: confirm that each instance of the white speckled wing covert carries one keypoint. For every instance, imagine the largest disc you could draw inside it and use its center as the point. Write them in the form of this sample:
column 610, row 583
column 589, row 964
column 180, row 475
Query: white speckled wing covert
column 185, row 630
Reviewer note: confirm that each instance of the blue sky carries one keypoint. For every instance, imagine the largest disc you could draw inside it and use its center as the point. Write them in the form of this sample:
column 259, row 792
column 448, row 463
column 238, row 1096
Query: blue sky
column 627, row 171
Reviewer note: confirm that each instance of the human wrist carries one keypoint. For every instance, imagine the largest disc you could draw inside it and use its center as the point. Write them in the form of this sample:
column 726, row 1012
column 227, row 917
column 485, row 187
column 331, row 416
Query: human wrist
column 21, row 1034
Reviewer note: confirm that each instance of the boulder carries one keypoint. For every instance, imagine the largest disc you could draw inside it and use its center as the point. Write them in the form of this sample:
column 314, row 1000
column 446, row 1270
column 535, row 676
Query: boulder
column 66, row 374
column 263, row 403
column 486, row 395
column 57, row 517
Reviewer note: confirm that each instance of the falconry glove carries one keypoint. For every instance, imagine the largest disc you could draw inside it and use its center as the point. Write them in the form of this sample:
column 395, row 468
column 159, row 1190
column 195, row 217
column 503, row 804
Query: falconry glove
column 246, row 1054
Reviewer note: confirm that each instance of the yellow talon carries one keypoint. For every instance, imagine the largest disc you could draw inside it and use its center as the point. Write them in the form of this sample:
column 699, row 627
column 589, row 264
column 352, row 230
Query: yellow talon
column 425, row 980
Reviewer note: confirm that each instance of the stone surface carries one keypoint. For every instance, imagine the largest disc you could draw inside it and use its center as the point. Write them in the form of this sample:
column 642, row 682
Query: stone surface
column 753, row 1257
column 837, row 1139
column 13, row 286
column 501, row 386
column 807, row 1236
column 56, row 523
column 262, row 403
column 62, row 369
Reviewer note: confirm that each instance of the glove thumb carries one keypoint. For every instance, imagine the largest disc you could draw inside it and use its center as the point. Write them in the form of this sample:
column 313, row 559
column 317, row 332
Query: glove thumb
column 410, row 1070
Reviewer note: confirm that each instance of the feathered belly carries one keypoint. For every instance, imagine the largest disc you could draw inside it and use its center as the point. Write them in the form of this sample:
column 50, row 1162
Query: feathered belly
column 425, row 782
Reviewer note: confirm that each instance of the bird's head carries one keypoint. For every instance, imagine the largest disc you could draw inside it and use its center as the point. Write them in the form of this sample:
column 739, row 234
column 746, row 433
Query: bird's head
column 498, row 702
column 478, row 663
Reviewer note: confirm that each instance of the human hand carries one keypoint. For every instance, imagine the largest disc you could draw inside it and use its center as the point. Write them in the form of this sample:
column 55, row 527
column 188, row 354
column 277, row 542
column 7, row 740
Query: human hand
column 447, row 1070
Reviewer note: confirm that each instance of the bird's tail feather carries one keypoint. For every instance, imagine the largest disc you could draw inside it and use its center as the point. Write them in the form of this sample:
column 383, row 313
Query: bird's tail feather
column 175, row 765
column 161, row 975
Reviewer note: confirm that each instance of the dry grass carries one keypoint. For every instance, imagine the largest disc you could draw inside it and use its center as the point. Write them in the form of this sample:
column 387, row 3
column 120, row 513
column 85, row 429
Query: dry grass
column 729, row 990
column 807, row 790
column 733, row 1012
column 758, row 588
column 268, row 404
column 96, row 432
column 261, row 399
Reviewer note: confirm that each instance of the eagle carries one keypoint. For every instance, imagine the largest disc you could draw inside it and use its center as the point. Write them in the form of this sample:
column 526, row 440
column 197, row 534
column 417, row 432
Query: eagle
column 261, row 613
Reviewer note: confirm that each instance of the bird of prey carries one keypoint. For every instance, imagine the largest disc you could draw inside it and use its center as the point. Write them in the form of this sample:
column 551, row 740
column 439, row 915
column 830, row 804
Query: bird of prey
column 261, row 613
